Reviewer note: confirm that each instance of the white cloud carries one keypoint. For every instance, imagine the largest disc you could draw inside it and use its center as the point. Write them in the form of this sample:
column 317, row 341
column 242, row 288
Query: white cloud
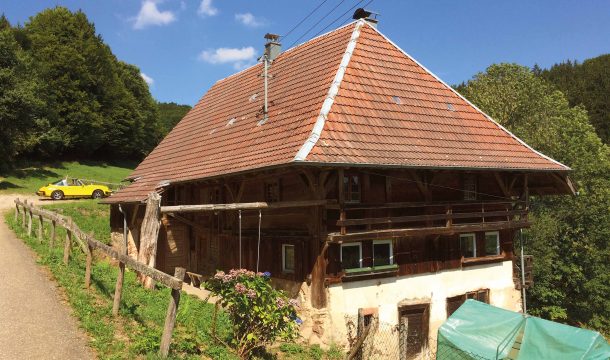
column 151, row 15
column 240, row 58
column 206, row 8
column 249, row 20
column 147, row 79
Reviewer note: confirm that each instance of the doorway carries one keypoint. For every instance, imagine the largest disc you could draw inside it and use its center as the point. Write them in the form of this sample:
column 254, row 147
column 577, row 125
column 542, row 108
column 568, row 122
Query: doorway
column 413, row 330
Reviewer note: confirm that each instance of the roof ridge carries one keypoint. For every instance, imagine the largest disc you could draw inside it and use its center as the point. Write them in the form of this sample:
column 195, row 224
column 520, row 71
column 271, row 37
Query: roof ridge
column 311, row 141
column 468, row 102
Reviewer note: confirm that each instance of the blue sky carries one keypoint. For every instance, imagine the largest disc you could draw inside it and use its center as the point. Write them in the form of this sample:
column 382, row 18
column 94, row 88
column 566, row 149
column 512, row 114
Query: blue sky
column 184, row 46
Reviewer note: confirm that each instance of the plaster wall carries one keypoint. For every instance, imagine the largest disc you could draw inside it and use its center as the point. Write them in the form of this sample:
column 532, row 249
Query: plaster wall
column 387, row 294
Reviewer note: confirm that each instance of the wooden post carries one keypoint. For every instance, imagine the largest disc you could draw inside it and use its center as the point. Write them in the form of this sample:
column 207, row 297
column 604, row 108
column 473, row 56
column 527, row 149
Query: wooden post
column 118, row 289
column 25, row 204
column 149, row 235
column 88, row 266
column 52, row 240
column 67, row 243
column 40, row 227
column 170, row 317
column 17, row 211
column 30, row 222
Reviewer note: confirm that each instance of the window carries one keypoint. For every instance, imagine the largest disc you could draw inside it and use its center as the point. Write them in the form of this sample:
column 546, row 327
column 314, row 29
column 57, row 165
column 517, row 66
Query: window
column 470, row 187
column 453, row 303
column 288, row 258
column 351, row 188
column 382, row 253
column 272, row 191
column 492, row 243
column 351, row 256
column 468, row 244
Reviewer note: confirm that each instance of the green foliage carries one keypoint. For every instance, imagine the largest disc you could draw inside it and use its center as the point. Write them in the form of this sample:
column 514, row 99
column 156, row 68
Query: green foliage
column 170, row 114
column 259, row 313
column 570, row 235
column 29, row 177
column 588, row 84
column 65, row 94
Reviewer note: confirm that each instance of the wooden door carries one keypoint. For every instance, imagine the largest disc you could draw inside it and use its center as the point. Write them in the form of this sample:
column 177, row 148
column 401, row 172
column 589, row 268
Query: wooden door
column 413, row 330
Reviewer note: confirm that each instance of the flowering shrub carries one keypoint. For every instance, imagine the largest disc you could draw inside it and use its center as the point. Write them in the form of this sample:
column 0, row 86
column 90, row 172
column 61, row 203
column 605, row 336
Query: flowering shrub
column 259, row 313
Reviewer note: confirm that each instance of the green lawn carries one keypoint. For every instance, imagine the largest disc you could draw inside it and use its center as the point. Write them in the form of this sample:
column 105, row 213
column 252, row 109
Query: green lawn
column 30, row 177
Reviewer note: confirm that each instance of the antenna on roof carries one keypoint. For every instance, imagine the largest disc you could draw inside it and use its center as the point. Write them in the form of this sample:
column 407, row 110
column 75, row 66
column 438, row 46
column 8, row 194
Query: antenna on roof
column 368, row 16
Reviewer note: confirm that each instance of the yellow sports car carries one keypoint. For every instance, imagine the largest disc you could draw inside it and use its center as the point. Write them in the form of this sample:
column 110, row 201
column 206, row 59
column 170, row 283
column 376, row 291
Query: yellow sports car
column 73, row 188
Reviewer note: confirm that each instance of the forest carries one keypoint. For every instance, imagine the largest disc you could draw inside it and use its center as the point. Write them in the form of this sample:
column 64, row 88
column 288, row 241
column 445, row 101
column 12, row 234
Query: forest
column 65, row 95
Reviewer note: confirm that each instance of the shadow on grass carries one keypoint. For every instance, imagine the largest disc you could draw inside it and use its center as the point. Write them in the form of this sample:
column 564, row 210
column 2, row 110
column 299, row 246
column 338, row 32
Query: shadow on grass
column 32, row 172
column 4, row 185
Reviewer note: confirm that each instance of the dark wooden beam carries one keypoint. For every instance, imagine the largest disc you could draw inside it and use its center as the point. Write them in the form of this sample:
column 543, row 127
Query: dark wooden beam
column 501, row 184
column 440, row 230
column 415, row 218
column 242, row 206
column 422, row 186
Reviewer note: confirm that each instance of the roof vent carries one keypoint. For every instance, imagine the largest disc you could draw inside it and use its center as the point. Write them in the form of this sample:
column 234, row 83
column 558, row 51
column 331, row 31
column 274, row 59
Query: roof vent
column 273, row 47
column 231, row 122
column 397, row 100
column 450, row 107
column 369, row 16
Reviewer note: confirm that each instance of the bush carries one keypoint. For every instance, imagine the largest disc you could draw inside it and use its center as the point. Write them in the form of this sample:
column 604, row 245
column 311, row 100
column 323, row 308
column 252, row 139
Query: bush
column 260, row 314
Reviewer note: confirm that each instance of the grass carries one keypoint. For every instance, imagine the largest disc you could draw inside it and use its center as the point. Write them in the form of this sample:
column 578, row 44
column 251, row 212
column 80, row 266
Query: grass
column 28, row 178
column 137, row 332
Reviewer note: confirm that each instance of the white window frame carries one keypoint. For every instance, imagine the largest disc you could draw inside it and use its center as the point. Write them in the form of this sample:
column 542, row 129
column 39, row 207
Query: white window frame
column 359, row 244
column 284, row 269
column 474, row 242
column 389, row 242
column 497, row 234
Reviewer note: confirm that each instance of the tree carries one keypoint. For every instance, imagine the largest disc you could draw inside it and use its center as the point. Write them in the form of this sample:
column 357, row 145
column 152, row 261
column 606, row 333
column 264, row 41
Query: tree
column 570, row 235
column 19, row 105
column 170, row 114
column 588, row 84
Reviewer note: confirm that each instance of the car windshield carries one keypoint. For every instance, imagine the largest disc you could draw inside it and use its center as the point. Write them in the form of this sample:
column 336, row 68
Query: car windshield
column 61, row 182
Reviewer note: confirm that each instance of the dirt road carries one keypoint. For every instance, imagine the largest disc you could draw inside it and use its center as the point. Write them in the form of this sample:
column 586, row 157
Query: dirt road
column 34, row 322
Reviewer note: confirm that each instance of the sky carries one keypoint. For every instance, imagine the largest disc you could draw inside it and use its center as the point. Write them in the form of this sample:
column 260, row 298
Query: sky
column 183, row 47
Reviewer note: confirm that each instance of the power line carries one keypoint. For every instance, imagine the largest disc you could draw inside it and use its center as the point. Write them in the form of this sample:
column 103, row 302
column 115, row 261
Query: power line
column 305, row 18
column 316, row 24
column 342, row 15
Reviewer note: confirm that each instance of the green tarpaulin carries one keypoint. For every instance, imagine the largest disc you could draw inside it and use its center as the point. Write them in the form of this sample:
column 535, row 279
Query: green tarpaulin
column 480, row 331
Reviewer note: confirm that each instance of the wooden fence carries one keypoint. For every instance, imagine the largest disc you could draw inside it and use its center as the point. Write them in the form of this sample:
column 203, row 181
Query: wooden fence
column 27, row 212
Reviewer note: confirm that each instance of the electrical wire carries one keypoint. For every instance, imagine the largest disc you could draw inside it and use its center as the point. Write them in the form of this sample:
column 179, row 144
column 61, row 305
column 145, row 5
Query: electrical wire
column 342, row 15
column 316, row 24
column 305, row 18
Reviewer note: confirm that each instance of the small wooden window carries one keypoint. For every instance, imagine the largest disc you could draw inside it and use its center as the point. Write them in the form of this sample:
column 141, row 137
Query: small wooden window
column 470, row 187
column 453, row 303
column 382, row 253
column 468, row 245
column 492, row 243
column 352, row 188
column 272, row 191
column 351, row 256
column 288, row 258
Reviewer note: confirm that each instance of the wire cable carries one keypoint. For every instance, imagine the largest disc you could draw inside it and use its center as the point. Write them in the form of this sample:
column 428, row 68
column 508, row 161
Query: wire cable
column 305, row 18
column 342, row 15
column 316, row 24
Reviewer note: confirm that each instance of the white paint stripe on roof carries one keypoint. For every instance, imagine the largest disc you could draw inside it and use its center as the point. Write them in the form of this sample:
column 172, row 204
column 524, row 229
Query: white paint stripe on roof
column 471, row 104
column 330, row 97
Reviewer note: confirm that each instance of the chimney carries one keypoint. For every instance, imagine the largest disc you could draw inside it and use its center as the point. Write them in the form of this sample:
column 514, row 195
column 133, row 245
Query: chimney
column 273, row 47
column 369, row 16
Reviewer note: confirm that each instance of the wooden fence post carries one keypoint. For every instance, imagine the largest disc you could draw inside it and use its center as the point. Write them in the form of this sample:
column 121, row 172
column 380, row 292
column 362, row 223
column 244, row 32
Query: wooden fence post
column 40, row 228
column 118, row 290
column 30, row 222
column 25, row 205
column 170, row 317
column 52, row 241
column 88, row 266
column 149, row 235
column 17, row 210
column 67, row 243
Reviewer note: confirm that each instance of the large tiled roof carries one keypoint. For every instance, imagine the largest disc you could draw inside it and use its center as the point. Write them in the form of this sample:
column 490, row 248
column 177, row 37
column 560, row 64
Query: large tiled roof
column 348, row 97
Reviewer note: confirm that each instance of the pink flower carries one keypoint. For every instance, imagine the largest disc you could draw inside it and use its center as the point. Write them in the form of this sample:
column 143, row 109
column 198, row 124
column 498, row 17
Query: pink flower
column 280, row 303
column 240, row 288
column 251, row 294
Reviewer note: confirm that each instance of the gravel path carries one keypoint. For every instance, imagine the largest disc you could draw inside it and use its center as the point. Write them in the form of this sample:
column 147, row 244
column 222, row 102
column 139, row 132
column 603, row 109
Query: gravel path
column 34, row 322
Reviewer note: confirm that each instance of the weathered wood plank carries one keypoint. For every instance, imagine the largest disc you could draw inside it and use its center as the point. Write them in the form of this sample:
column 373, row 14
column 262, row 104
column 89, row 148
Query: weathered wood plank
column 88, row 264
column 441, row 230
column 67, row 246
column 40, row 228
column 241, row 206
column 415, row 218
column 149, row 236
column 170, row 317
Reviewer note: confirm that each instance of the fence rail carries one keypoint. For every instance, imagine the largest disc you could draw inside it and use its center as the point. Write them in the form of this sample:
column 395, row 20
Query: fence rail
column 87, row 243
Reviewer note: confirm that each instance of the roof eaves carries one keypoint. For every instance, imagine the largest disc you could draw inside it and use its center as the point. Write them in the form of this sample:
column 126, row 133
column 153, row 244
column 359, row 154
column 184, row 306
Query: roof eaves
column 330, row 97
column 470, row 103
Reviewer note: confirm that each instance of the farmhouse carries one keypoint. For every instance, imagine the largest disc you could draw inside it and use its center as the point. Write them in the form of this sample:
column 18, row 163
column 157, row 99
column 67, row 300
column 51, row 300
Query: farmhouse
column 359, row 179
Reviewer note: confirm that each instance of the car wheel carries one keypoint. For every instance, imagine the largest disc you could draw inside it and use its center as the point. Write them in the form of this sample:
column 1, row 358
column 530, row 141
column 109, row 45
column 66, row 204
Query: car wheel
column 57, row 195
column 98, row 194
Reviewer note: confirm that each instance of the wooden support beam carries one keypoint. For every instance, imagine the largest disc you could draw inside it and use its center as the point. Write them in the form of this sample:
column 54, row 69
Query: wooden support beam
column 422, row 186
column 29, row 222
column 318, row 274
column 414, row 218
column 188, row 222
column 25, row 204
column 440, row 230
column 88, row 264
column 170, row 316
column 501, row 184
column 241, row 206
column 150, row 235
column 17, row 211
